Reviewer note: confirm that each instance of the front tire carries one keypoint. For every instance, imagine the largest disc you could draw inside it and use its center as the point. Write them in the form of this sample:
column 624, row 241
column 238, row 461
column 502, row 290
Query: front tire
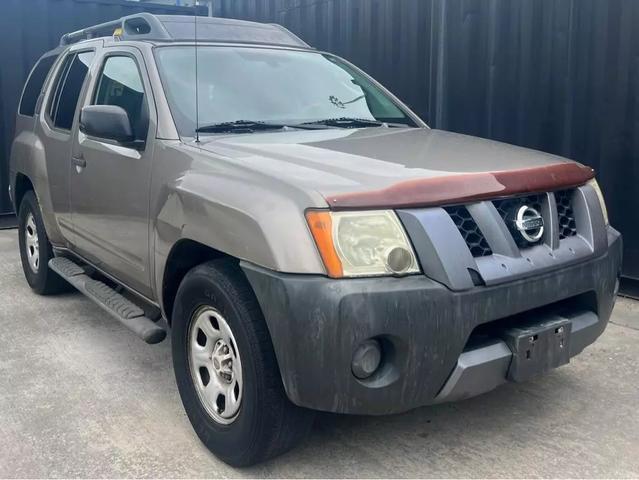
column 226, row 370
column 35, row 249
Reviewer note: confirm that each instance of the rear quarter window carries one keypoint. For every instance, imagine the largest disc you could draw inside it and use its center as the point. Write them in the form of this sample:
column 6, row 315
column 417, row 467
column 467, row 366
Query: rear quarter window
column 34, row 85
column 69, row 84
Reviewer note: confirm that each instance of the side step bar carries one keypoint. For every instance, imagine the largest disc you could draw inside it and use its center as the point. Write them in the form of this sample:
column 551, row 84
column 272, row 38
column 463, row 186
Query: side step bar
column 126, row 312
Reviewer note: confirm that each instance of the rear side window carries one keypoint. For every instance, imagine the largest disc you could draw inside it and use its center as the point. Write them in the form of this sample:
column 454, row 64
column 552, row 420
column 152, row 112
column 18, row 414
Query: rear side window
column 68, row 86
column 121, row 85
column 57, row 87
column 34, row 85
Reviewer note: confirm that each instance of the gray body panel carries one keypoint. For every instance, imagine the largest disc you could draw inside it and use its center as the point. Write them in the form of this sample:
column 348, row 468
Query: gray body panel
column 109, row 197
column 227, row 205
column 337, row 161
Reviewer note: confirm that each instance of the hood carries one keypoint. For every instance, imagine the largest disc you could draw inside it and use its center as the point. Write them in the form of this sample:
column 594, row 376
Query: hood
column 391, row 168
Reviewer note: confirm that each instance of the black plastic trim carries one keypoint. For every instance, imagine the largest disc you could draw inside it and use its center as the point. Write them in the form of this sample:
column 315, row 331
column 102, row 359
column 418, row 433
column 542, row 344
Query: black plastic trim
column 316, row 323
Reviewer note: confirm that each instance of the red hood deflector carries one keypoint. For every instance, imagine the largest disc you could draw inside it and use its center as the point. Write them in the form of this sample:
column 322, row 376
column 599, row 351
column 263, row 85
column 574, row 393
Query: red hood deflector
column 466, row 187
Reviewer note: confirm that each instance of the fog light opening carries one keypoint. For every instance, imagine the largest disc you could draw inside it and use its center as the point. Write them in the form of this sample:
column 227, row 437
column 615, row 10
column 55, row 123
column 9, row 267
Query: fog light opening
column 366, row 359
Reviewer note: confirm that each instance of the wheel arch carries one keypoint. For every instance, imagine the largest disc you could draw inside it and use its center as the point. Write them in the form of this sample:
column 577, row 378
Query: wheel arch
column 21, row 186
column 184, row 255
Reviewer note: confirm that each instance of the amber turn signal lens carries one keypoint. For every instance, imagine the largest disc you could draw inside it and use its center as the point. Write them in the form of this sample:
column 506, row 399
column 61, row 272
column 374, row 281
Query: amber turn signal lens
column 321, row 226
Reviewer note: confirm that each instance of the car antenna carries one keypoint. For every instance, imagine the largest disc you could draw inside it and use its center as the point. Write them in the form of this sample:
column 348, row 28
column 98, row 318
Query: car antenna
column 197, row 88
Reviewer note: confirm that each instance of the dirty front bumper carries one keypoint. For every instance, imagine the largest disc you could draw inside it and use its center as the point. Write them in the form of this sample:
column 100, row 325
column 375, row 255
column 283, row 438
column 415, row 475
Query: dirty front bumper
column 437, row 344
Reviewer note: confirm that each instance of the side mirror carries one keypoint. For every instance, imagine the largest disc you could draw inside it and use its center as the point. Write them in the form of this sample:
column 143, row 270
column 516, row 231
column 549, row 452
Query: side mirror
column 107, row 121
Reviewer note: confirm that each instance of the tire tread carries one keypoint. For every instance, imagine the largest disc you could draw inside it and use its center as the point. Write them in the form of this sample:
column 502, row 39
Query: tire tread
column 282, row 424
column 46, row 281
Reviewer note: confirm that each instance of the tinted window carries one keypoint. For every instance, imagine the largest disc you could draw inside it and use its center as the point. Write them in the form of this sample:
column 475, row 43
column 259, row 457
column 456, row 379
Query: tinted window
column 121, row 85
column 34, row 85
column 59, row 83
column 70, row 92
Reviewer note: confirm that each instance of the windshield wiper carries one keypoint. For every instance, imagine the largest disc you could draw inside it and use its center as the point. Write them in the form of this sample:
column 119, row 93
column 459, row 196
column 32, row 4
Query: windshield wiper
column 347, row 122
column 239, row 126
column 249, row 126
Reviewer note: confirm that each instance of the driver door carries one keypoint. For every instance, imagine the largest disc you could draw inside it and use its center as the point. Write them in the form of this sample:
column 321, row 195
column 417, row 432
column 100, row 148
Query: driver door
column 109, row 182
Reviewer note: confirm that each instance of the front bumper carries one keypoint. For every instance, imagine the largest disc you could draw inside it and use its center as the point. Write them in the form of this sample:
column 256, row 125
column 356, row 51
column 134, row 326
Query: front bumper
column 316, row 323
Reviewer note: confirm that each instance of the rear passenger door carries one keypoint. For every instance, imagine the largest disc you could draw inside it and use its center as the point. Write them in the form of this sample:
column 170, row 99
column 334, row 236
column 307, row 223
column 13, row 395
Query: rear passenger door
column 56, row 129
column 110, row 182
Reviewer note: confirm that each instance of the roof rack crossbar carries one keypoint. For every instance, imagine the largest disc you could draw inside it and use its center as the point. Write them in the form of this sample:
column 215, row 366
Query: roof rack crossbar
column 146, row 26
column 90, row 32
column 141, row 25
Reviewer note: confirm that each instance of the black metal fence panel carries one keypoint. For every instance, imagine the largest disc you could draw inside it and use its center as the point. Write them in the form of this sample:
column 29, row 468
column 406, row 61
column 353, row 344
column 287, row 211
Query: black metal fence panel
column 32, row 27
column 556, row 75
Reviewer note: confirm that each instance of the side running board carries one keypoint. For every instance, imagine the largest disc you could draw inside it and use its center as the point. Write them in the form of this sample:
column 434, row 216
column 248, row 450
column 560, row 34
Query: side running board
column 126, row 312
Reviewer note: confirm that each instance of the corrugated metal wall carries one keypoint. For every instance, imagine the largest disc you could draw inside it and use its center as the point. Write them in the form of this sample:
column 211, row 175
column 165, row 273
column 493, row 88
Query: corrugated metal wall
column 31, row 27
column 556, row 75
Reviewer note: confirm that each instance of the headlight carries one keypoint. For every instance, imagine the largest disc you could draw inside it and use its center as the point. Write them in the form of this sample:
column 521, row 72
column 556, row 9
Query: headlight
column 359, row 244
column 593, row 183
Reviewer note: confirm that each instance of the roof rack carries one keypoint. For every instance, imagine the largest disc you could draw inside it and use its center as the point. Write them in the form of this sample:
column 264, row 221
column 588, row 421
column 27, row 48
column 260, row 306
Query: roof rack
column 145, row 26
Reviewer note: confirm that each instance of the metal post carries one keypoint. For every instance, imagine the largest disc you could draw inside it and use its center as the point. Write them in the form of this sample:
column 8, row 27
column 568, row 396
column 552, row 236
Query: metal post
column 209, row 3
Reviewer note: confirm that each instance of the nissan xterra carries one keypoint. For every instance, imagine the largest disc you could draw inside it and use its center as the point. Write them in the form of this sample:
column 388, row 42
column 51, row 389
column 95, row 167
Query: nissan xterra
column 307, row 240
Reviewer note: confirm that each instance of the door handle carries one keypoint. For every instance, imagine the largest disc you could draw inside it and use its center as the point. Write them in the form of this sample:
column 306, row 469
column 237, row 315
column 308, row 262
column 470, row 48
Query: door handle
column 79, row 161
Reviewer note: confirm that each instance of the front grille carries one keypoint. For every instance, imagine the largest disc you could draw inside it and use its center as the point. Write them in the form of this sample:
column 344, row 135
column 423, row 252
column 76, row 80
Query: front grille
column 506, row 206
column 507, row 209
column 567, row 225
column 473, row 236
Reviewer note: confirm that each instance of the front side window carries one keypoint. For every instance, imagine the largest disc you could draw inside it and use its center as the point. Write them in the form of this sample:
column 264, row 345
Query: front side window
column 267, row 85
column 121, row 85
column 68, row 87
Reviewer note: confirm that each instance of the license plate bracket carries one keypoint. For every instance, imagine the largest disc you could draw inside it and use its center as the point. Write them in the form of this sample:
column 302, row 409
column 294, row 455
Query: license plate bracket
column 538, row 347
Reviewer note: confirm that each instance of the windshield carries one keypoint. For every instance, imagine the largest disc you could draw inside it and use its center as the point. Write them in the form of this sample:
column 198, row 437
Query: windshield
column 267, row 85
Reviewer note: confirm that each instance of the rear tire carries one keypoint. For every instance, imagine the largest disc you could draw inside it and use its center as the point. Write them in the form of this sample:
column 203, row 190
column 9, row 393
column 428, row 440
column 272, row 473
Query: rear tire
column 35, row 249
column 241, row 427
